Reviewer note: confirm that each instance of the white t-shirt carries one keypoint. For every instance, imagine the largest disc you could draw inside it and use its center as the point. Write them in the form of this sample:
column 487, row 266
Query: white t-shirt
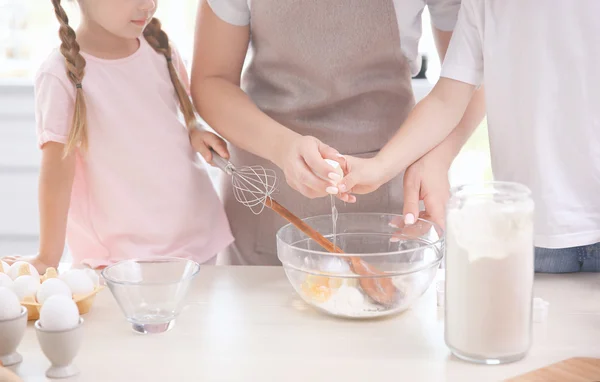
column 408, row 13
column 540, row 62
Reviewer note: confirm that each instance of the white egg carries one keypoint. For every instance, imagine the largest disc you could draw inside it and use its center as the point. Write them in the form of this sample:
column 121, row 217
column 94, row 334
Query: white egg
column 52, row 287
column 5, row 267
column 6, row 281
column 78, row 281
column 26, row 286
column 59, row 313
column 10, row 307
column 336, row 168
column 93, row 276
column 13, row 272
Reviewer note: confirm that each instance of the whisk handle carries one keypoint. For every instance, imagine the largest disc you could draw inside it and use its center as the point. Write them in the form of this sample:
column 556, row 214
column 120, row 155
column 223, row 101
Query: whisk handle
column 221, row 162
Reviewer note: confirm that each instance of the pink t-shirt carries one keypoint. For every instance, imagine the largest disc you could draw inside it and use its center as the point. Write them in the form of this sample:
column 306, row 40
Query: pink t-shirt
column 140, row 189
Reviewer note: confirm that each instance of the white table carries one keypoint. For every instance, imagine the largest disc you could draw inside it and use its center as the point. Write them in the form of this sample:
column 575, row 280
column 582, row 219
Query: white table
column 247, row 324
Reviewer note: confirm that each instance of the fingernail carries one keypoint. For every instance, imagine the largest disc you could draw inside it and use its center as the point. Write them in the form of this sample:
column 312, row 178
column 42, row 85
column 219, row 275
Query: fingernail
column 339, row 155
column 334, row 176
column 409, row 219
column 342, row 187
column 332, row 190
column 394, row 239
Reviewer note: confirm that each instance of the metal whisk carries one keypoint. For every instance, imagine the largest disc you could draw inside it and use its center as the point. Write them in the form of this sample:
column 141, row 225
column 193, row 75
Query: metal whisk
column 252, row 185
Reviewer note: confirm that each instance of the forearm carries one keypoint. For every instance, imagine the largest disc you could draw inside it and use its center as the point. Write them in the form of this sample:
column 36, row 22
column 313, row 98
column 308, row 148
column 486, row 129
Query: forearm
column 228, row 110
column 56, row 180
column 451, row 146
column 430, row 122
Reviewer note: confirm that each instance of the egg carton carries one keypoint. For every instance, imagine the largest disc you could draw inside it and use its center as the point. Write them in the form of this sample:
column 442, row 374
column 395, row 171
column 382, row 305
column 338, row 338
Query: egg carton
column 84, row 301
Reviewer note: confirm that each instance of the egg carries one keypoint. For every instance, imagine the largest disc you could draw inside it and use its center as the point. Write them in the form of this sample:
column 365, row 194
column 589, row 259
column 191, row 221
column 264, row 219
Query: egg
column 52, row 287
column 14, row 269
column 336, row 169
column 25, row 286
column 5, row 281
column 93, row 276
column 59, row 313
column 4, row 267
column 78, row 281
column 10, row 307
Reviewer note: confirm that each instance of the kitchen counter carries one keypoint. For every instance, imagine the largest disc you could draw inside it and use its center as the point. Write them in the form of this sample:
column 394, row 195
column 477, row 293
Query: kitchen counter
column 248, row 324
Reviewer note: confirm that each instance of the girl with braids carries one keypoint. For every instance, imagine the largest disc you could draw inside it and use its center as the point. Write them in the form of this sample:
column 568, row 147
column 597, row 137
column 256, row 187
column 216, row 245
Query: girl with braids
column 119, row 177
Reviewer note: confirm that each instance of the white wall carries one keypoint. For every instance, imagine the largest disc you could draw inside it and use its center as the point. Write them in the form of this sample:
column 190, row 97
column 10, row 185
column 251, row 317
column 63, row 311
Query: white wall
column 19, row 163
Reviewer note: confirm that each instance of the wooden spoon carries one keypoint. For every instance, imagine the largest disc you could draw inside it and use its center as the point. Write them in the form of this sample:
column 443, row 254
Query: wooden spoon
column 379, row 288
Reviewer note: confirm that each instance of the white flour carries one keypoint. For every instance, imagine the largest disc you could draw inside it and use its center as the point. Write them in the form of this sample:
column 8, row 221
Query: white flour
column 349, row 301
column 346, row 297
column 489, row 279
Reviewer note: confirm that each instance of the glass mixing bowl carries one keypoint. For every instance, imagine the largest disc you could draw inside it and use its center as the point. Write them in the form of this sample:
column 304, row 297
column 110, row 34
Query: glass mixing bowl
column 403, row 257
column 151, row 292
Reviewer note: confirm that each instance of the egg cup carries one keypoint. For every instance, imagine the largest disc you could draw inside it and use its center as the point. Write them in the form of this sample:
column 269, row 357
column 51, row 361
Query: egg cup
column 11, row 334
column 60, row 347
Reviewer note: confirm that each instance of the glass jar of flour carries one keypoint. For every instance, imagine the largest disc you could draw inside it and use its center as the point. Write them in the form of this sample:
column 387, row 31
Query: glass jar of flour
column 489, row 272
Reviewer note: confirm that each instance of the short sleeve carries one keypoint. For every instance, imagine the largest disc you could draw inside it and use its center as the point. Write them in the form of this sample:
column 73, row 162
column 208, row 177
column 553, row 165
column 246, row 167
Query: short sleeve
column 444, row 13
column 54, row 108
column 235, row 12
column 464, row 59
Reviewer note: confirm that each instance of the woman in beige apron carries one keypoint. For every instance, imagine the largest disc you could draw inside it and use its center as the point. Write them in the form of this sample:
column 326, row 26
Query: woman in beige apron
column 335, row 70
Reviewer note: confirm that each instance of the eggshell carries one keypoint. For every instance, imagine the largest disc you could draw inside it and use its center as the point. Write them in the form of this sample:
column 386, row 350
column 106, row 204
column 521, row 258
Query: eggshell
column 6, row 281
column 59, row 313
column 93, row 276
column 25, row 286
column 78, row 281
column 52, row 287
column 16, row 271
column 10, row 307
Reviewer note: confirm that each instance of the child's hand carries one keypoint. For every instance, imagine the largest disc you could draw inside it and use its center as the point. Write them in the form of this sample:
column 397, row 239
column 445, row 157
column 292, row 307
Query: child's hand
column 363, row 176
column 426, row 180
column 40, row 265
column 202, row 141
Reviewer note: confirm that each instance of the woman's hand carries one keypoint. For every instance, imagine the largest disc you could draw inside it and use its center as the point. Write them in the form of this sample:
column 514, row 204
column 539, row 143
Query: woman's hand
column 203, row 141
column 302, row 160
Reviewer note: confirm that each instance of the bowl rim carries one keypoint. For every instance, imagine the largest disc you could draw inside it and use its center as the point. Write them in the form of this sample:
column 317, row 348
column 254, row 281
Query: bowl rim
column 22, row 313
column 160, row 259
column 38, row 327
column 437, row 227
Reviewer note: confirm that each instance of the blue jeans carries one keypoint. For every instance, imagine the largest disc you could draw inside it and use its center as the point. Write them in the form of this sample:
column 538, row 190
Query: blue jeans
column 568, row 260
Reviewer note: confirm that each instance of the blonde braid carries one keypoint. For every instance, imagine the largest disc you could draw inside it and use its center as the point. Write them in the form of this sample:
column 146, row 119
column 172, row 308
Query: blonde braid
column 159, row 40
column 75, row 64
